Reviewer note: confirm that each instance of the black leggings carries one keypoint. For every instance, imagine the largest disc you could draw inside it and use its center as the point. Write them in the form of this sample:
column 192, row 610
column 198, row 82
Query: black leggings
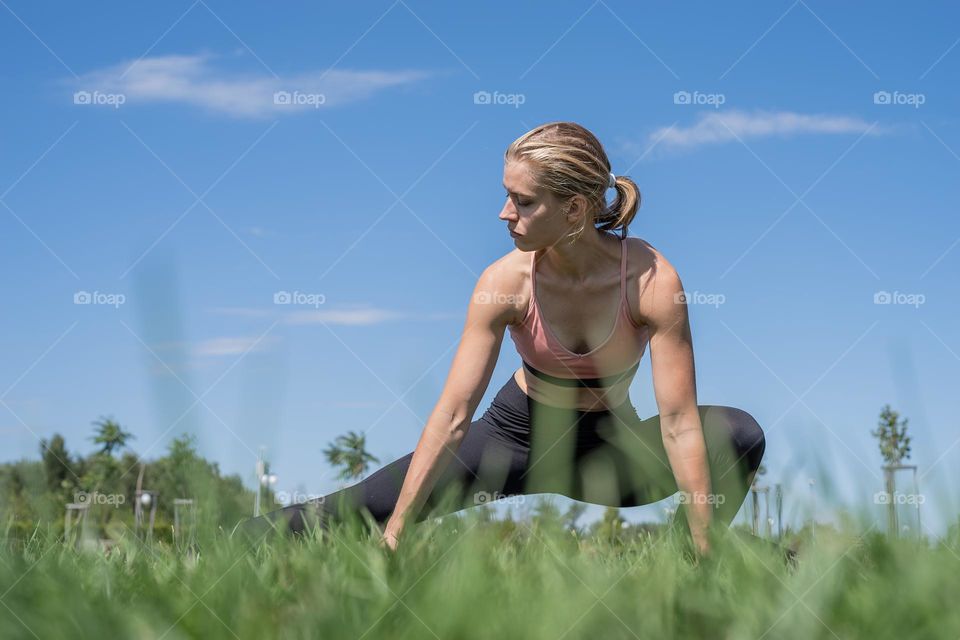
column 519, row 446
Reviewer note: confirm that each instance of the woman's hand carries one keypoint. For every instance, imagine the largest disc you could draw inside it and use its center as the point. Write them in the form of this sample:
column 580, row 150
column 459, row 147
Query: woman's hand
column 389, row 541
column 703, row 547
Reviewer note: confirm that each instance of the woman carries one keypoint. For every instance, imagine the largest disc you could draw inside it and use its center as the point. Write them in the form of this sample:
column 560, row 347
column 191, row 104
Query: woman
column 581, row 305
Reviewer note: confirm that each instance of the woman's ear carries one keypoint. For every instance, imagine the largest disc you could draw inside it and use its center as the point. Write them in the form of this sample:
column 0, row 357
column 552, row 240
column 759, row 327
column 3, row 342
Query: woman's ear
column 576, row 208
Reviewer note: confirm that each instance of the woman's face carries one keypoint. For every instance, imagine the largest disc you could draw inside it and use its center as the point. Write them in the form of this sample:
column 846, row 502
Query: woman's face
column 534, row 214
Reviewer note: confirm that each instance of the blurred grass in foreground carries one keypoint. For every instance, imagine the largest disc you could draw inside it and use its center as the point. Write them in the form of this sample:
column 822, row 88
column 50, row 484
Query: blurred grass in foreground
column 468, row 576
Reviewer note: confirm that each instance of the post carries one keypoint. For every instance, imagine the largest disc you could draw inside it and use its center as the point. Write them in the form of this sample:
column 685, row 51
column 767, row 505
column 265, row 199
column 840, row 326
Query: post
column 779, row 512
column 179, row 505
column 75, row 511
column 260, row 471
column 890, row 486
column 766, row 512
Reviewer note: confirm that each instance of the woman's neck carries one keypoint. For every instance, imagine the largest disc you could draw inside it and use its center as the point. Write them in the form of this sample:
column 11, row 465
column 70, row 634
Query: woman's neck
column 582, row 260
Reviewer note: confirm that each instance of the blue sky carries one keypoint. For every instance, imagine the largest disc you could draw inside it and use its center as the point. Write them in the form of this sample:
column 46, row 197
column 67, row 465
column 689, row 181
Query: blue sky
column 182, row 163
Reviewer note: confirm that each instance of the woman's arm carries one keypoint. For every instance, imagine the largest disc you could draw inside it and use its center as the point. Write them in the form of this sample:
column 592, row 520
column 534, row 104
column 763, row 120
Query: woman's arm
column 664, row 308
column 488, row 314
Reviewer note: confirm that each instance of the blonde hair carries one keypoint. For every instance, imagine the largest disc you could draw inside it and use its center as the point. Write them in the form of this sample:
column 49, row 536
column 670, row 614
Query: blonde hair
column 566, row 160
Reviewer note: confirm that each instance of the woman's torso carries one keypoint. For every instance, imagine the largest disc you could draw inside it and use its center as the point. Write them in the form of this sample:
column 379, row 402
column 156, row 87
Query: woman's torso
column 581, row 332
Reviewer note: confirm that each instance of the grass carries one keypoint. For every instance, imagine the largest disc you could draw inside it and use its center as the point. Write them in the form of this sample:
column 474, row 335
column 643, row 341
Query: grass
column 470, row 577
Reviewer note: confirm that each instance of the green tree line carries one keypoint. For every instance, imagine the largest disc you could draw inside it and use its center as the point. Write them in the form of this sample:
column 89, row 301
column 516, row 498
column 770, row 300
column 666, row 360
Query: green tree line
column 34, row 493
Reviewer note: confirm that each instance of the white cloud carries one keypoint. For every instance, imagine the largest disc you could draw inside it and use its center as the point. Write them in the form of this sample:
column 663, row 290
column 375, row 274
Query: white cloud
column 195, row 81
column 230, row 346
column 717, row 127
column 349, row 317
column 245, row 312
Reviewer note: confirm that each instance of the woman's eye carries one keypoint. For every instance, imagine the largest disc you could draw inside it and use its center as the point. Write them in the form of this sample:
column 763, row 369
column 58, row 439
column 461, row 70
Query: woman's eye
column 522, row 204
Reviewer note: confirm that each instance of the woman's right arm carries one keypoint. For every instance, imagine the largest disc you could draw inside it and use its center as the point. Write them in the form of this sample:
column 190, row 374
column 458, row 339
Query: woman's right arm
column 488, row 314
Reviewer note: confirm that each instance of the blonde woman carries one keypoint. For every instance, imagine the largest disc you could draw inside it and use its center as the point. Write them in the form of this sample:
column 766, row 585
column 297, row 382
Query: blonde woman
column 582, row 303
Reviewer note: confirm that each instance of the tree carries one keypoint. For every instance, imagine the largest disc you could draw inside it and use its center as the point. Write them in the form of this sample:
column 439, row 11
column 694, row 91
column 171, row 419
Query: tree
column 611, row 525
column 56, row 463
column 110, row 435
column 573, row 514
column 184, row 467
column 546, row 513
column 894, row 442
column 892, row 436
column 349, row 451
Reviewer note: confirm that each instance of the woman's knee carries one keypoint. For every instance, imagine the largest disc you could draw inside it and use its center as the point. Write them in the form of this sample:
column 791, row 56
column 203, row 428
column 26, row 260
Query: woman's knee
column 749, row 436
column 745, row 433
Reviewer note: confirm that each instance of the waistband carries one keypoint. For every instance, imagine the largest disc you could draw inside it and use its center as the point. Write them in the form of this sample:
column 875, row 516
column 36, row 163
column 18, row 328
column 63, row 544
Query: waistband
column 606, row 381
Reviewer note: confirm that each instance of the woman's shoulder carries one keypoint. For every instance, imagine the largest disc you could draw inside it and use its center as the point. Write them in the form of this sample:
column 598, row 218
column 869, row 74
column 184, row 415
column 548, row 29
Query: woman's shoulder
column 645, row 260
column 647, row 265
column 506, row 281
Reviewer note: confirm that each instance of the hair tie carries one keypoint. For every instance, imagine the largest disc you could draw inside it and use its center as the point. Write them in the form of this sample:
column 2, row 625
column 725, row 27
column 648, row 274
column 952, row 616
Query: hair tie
column 612, row 182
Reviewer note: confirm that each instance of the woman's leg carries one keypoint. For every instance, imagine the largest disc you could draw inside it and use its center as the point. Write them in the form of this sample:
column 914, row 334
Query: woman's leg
column 488, row 464
column 620, row 460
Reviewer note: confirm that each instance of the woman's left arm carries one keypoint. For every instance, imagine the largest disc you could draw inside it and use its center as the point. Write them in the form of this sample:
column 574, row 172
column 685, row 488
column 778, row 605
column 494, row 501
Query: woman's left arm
column 664, row 309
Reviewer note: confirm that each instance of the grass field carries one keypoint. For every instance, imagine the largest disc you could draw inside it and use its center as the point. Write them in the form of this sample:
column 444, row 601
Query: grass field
column 468, row 576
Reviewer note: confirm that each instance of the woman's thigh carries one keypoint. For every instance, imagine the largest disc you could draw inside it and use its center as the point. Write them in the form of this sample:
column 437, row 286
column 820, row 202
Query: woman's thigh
column 488, row 463
column 622, row 460
column 483, row 468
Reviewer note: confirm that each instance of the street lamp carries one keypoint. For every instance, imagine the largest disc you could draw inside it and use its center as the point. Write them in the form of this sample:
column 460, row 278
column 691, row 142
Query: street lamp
column 145, row 500
column 264, row 479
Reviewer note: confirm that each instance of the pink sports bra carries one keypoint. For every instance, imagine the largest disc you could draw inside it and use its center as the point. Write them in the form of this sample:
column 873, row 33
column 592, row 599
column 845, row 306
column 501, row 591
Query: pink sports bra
column 589, row 381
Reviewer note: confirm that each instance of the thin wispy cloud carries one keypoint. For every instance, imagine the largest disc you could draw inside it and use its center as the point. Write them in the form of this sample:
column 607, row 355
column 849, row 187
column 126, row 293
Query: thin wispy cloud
column 243, row 312
column 718, row 127
column 360, row 317
column 195, row 80
column 347, row 317
column 231, row 346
